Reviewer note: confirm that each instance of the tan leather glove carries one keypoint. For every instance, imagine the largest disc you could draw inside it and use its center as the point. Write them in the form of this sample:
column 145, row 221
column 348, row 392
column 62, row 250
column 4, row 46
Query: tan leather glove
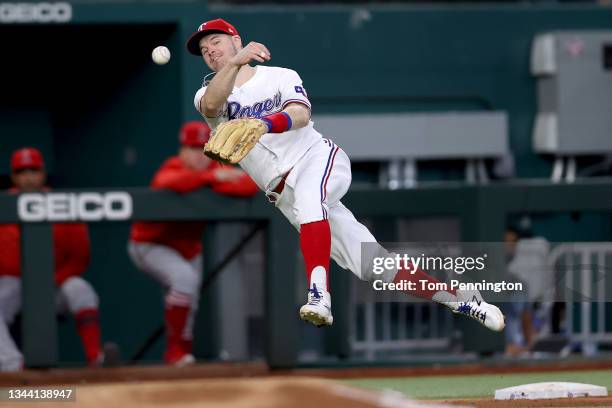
column 231, row 141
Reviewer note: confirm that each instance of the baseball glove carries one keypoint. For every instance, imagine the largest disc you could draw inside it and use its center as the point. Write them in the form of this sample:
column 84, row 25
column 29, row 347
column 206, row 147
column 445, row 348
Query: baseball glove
column 231, row 141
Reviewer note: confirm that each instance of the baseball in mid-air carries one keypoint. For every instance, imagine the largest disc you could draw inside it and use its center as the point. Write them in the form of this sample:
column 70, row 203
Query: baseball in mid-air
column 161, row 55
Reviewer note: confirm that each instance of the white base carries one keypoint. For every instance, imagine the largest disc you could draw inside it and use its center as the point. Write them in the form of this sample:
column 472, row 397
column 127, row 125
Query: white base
column 548, row 390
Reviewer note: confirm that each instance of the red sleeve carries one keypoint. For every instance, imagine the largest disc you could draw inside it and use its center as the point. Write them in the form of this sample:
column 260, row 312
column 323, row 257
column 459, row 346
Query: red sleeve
column 75, row 251
column 177, row 178
column 243, row 187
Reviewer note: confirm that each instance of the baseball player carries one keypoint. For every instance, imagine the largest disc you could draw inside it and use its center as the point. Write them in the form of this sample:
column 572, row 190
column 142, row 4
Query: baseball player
column 261, row 117
column 71, row 255
column 171, row 252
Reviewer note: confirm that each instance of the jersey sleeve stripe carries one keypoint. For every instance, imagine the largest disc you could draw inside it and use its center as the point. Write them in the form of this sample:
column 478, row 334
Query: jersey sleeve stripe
column 302, row 101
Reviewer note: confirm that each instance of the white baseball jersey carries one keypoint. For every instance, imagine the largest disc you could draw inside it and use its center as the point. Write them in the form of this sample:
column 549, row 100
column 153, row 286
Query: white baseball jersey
column 269, row 91
column 320, row 171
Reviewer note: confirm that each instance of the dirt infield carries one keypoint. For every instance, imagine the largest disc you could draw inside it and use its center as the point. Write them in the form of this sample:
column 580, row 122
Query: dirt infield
column 273, row 392
column 563, row 402
column 238, row 385
column 236, row 393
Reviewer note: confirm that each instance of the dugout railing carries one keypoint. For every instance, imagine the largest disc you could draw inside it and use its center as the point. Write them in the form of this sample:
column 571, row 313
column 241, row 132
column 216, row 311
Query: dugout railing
column 39, row 326
column 582, row 268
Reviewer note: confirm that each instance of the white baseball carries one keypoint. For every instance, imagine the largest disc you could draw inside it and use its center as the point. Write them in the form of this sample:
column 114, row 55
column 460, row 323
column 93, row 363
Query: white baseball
column 161, row 55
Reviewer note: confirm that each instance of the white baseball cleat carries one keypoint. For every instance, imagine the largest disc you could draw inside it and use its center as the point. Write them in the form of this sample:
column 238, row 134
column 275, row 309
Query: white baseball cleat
column 186, row 360
column 318, row 308
column 178, row 357
column 470, row 303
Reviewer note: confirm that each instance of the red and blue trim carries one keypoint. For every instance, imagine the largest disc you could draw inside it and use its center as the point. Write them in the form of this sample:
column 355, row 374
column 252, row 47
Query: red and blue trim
column 278, row 122
column 302, row 101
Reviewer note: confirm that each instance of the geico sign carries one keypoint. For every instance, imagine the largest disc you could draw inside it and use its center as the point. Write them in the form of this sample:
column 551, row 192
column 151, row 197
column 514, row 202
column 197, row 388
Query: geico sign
column 35, row 12
column 116, row 205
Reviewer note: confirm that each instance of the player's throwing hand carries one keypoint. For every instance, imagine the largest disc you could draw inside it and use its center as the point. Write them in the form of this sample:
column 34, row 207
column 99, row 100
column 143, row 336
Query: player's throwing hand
column 253, row 51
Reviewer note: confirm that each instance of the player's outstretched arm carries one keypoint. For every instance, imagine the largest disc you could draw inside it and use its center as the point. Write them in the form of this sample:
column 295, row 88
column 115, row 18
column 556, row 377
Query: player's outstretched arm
column 222, row 84
column 218, row 90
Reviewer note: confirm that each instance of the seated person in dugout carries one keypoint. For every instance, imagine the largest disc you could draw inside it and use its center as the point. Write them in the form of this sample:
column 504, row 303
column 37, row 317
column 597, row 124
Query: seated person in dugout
column 171, row 252
column 71, row 254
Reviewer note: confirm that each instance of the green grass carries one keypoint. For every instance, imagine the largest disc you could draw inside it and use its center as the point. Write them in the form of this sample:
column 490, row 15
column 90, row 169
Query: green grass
column 468, row 386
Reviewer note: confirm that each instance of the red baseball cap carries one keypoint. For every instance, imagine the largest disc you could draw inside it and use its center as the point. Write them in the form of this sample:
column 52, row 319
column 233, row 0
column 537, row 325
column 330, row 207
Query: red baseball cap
column 194, row 134
column 213, row 26
column 27, row 158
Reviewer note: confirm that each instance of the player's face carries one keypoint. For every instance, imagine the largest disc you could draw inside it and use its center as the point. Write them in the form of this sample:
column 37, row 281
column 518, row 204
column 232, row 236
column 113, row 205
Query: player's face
column 193, row 158
column 29, row 179
column 217, row 49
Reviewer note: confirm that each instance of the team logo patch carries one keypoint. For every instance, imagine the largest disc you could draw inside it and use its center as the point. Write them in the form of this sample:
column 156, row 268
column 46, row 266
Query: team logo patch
column 300, row 90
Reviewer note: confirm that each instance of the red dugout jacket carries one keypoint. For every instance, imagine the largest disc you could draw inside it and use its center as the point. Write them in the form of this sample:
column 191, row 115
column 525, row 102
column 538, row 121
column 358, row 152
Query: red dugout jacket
column 186, row 236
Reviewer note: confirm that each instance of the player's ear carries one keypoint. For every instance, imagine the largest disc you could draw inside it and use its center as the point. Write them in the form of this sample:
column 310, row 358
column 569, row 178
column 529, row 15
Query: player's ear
column 237, row 41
